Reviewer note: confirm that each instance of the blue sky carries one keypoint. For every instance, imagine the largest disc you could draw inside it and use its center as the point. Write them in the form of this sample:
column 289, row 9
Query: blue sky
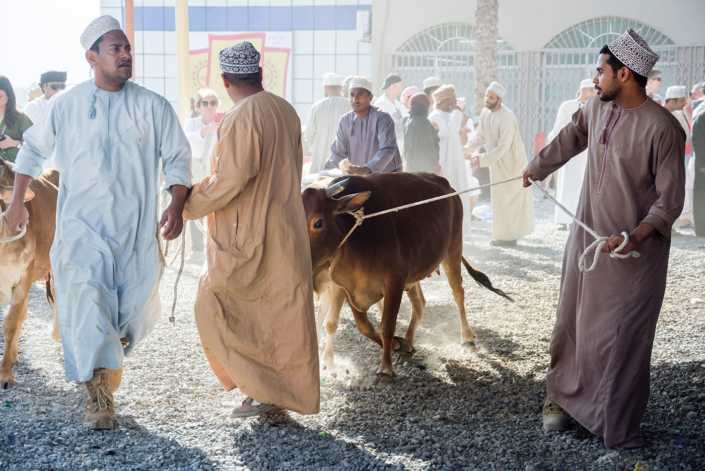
column 40, row 35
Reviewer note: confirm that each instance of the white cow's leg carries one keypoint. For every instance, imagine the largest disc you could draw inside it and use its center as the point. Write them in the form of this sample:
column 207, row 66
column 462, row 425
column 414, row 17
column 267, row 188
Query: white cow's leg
column 337, row 298
column 455, row 280
column 55, row 334
column 418, row 303
column 11, row 327
column 323, row 309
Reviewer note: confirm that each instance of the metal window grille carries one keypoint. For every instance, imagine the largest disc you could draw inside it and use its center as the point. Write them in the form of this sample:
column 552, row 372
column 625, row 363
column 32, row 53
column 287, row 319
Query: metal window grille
column 537, row 82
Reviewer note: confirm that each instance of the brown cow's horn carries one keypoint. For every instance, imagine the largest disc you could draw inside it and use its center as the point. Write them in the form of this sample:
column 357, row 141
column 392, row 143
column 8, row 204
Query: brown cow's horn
column 337, row 188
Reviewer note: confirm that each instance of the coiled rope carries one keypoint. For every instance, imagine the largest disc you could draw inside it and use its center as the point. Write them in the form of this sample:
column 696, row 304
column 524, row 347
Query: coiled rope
column 163, row 254
column 13, row 238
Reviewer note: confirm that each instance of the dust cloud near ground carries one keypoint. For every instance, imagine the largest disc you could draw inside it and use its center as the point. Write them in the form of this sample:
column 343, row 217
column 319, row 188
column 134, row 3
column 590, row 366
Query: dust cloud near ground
column 449, row 408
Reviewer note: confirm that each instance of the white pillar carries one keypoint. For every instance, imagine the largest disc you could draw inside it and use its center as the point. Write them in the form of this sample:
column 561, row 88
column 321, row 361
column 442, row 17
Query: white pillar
column 182, row 60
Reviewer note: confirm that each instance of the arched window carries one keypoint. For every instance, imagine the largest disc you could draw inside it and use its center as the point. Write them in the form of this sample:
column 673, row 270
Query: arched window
column 448, row 37
column 571, row 56
column 446, row 51
column 595, row 33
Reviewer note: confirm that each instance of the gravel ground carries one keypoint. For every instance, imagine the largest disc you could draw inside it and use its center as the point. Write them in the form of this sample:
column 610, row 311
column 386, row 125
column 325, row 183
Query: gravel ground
column 448, row 408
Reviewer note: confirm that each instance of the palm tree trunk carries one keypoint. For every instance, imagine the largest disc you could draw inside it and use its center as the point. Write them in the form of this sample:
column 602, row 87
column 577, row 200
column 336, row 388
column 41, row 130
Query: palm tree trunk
column 486, row 35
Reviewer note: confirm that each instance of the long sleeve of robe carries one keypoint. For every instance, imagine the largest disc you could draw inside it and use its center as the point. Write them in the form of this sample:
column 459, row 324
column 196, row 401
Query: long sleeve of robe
column 254, row 307
column 698, row 174
column 34, row 108
column 369, row 142
column 606, row 320
column 105, row 256
column 684, row 124
column 512, row 205
column 570, row 176
column 321, row 127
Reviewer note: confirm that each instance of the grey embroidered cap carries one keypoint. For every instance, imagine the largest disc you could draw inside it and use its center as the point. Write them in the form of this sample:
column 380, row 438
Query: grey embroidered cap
column 632, row 50
column 242, row 58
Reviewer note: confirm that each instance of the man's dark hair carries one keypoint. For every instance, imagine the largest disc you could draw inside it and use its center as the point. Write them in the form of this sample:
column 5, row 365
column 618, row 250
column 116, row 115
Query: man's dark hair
column 654, row 72
column 95, row 46
column 369, row 93
column 12, row 114
column 429, row 91
column 243, row 80
column 617, row 64
column 51, row 76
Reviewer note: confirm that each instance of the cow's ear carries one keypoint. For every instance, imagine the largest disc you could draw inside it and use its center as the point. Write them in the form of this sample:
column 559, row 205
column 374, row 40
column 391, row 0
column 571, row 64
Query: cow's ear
column 28, row 195
column 351, row 202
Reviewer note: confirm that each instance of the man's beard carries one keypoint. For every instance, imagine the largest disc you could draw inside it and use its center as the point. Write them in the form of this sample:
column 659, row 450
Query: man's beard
column 607, row 95
column 118, row 77
column 604, row 96
column 491, row 106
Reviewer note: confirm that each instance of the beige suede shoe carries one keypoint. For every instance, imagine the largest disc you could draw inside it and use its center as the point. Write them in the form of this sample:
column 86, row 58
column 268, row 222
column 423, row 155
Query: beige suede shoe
column 252, row 408
column 100, row 408
column 555, row 417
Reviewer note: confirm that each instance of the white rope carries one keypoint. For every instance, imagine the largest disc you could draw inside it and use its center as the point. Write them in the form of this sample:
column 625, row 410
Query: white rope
column 200, row 227
column 13, row 238
column 599, row 243
column 360, row 215
column 172, row 318
column 597, row 246
column 165, row 253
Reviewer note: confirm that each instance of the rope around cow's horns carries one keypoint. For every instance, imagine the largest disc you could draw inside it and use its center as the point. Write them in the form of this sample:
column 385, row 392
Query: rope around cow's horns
column 597, row 246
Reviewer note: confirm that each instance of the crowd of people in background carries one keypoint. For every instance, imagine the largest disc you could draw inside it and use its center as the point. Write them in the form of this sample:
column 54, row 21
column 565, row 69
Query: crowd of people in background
column 430, row 130
column 254, row 307
column 434, row 132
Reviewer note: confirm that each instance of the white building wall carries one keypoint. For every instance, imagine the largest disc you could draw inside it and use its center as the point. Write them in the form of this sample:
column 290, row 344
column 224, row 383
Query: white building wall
column 526, row 25
column 323, row 39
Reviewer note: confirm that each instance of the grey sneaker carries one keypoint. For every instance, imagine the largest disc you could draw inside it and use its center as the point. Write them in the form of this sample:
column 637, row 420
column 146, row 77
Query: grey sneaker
column 252, row 408
column 555, row 417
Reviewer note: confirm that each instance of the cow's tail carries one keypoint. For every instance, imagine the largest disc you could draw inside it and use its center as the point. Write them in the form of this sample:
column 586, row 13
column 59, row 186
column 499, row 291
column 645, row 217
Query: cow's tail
column 483, row 280
column 48, row 292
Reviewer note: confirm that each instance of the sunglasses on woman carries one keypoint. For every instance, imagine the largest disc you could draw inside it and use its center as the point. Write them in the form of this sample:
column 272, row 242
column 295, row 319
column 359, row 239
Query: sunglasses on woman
column 212, row 102
column 57, row 86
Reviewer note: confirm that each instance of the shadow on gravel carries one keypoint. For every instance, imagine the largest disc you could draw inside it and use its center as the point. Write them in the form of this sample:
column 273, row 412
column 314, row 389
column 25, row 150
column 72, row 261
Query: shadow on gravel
column 449, row 414
column 43, row 429
column 279, row 442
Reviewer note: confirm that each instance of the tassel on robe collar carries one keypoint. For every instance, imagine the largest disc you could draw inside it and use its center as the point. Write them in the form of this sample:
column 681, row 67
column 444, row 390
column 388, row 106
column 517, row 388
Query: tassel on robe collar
column 609, row 125
column 91, row 110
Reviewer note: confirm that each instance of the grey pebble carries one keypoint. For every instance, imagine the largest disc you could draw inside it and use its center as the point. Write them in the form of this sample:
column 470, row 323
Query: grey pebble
column 448, row 408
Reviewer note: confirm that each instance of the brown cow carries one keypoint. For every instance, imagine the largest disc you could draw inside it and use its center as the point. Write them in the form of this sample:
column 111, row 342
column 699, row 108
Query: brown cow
column 25, row 260
column 332, row 298
column 391, row 253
